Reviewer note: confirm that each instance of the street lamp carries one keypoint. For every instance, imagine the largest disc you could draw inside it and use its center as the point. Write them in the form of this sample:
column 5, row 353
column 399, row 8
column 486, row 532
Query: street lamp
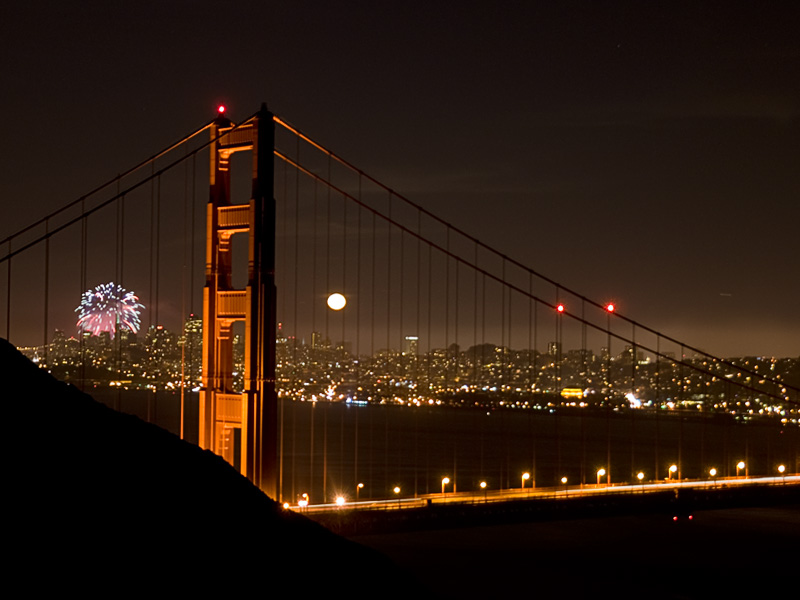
column 600, row 473
column 564, row 483
column 739, row 466
column 713, row 473
column 525, row 477
column 672, row 470
column 359, row 487
column 396, row 490
column 782, row 471
column 340, row 501
column 640, row 477
column 483, row 487
column 445, row 481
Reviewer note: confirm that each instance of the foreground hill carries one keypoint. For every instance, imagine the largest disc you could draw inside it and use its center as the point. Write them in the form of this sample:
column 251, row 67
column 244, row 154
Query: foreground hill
column 104, row 502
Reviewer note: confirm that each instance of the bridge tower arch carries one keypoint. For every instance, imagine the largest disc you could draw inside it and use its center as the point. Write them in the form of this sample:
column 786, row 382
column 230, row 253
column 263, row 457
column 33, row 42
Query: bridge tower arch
column 225, row 415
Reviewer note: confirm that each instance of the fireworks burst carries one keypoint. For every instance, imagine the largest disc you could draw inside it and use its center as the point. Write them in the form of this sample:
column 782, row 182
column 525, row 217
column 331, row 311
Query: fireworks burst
column 109, row 307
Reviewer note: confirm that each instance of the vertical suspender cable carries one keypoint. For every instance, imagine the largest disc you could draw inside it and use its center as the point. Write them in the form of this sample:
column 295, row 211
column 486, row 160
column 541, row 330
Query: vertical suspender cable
column 583, row 342
column 84, row 238
column 8, row 293
column 152, row 242
column 428, row 334
column 120, row 205
column 418, row 294
column 557, row 373
column 529, row 384
column 388, row 335
column 283, row 269
column 389, row 280
column 509, row 344
column 400, row 305
column 358, row 337
column 295, row 384
column 295, row 299
column 46, row 291
column 158, row 248
column 535, row 345
column 314, row 334
column 328, row 250
column 414, row 356
column 184, row 266
column 344, row 271
column 327, row 334
column 192, row 366
column 292, row 396
column 475, row 355
column 455, row 326
column 447, row 313
column 152, row 407
column 503, row 382
column 659, row 365
column 633, row 394
column 483, row 325
column 374, row 287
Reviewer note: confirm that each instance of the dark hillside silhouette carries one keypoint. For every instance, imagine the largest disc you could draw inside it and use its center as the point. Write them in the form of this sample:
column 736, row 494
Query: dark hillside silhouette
column 102, row 501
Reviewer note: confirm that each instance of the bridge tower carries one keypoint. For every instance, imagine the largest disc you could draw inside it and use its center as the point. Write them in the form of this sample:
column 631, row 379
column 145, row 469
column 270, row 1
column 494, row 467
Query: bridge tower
column 241, row 427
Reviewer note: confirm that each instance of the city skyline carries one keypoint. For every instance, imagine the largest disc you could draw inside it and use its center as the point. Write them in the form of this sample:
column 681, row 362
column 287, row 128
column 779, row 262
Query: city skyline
column 485, row 375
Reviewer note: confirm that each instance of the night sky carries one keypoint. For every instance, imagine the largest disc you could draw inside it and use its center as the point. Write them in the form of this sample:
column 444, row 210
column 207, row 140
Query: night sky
column 645, row 152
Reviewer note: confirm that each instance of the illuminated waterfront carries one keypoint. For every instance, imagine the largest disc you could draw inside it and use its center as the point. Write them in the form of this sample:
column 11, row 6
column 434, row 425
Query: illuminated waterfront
column 383, row 446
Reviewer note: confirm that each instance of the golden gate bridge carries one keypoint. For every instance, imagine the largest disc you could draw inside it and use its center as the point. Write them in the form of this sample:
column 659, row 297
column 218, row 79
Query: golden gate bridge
column 444, row 359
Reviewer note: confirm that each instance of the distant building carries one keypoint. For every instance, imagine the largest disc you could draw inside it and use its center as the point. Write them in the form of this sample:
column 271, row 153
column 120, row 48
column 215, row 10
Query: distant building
column 411, row 345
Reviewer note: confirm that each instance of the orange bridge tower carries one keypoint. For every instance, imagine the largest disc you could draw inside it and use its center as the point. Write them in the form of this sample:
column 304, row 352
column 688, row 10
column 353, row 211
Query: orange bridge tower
column 241, row 427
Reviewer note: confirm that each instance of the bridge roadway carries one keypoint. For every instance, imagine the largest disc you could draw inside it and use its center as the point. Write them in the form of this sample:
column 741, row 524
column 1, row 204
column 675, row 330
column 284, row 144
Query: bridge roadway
column 505, row 495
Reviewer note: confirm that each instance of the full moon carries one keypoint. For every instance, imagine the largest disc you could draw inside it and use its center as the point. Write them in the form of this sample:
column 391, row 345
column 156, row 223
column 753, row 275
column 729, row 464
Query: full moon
column 336, row 301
